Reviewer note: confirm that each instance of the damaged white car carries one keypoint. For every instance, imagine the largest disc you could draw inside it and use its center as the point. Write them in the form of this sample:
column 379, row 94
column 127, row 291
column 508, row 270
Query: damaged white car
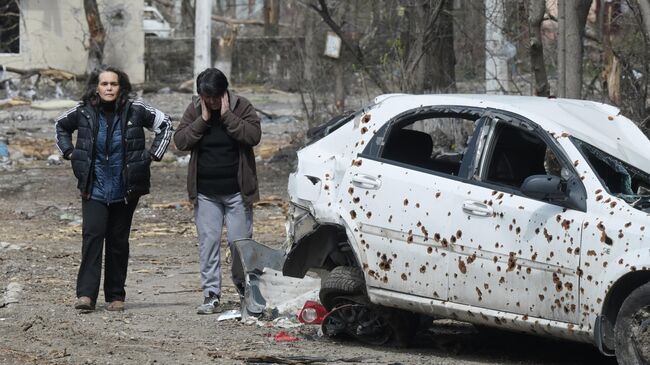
column 523, row 213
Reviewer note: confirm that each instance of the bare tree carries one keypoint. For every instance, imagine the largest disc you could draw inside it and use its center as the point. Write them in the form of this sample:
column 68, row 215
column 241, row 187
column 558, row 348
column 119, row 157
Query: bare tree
column 97, row 36
column 202, row 36
column 611, row 63
column 572, row 17
column 536, row 11
column 307, row 83
column 271, row 17
column 644, row 7
column 323, row 10
column 440, row 59
column 497, row 78
column 426, row 46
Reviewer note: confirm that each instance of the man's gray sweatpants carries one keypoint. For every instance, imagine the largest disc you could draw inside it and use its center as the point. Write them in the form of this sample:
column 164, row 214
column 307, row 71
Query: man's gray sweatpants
column 210, row 213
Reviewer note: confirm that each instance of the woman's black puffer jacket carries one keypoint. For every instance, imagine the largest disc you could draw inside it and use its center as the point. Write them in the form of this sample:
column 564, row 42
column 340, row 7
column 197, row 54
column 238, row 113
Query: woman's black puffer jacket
column 134, row 116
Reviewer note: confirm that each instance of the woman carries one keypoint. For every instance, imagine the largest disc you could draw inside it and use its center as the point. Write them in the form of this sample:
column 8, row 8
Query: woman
column 111, row 165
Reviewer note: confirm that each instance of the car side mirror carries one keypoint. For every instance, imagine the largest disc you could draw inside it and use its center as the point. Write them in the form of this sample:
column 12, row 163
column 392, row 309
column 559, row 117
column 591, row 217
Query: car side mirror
column 545, row 187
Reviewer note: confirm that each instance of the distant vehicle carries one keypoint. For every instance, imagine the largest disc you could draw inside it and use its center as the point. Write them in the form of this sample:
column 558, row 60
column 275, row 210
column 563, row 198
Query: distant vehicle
column 154, row 25
column 523, row 213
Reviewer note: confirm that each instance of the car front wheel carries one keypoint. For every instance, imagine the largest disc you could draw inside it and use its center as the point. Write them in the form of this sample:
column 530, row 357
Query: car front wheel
column 342, row 281
column 633, row 328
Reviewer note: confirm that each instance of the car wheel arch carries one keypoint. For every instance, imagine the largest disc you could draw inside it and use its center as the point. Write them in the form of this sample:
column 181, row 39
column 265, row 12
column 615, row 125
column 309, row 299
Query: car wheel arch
column 614, row 299
column 325, row 247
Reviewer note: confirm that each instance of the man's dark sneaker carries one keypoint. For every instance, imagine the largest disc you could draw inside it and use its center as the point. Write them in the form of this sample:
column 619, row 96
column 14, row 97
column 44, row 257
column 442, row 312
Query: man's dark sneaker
column 84, row 303
column 209, row 305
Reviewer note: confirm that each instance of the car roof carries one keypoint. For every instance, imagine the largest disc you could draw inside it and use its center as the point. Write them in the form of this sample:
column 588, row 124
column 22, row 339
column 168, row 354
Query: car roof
column 598, row 124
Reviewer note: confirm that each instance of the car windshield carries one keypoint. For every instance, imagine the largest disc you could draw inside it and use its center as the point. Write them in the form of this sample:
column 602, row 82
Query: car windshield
column 619, row 178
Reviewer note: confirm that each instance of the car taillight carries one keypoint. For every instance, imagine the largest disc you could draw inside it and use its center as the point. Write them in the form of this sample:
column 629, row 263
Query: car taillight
column 312, row 313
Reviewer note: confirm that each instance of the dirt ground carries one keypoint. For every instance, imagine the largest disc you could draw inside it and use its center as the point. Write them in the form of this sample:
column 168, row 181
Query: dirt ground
column 39, row 255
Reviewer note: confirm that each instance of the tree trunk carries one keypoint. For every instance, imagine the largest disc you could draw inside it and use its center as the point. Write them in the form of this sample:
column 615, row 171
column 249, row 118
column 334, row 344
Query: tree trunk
column 186, row 28
column 496, row 64
column 571, row 34
column 441, row 77
column 644, row 7
column 561, row 50
column 339, row 85
column 271, row 17
column 225, row 48
column 97, row 36
column 309, row 50
column 226, row 43
column 421, row 45
column 202, row 36
column 612, row 67
column 231, row 9
column 536, row 10
column 177, row 13
column 339, row 66
column 406, row 42
column 306, row 86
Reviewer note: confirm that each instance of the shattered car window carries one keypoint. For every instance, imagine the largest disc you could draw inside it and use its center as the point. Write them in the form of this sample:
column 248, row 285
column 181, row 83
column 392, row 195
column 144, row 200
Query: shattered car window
column 518, row 154
column 435, row 144
column 619, row 178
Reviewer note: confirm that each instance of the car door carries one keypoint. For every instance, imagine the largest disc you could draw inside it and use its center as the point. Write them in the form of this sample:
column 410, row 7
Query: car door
column 395, row 195
column 511, row 252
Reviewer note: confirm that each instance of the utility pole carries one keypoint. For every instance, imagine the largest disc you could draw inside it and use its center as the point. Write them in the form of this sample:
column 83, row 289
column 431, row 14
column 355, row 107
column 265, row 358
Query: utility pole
column 202, row 36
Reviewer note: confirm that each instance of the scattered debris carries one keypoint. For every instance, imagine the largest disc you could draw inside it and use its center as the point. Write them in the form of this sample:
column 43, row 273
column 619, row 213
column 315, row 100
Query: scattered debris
column 258, row 266
column 12, row 293
column 282, row 336
column 295, row 360
column 5, row 162
column 30, row 147
column 54, row 159
column 56, row 104
column 229, row 314
column 183, row 160
column 9, row 246
column 286, row 322
column 272, row 200
column 16, row 101
column 173, row 205
column 72, row 219
column 312, row 313
column 4, row 151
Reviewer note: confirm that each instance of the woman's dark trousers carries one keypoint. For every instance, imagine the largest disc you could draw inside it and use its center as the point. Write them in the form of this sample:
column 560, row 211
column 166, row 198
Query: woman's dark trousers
column 110, row 223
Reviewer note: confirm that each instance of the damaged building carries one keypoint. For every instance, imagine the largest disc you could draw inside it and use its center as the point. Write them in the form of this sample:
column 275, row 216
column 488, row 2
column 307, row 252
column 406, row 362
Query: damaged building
column 54, row 34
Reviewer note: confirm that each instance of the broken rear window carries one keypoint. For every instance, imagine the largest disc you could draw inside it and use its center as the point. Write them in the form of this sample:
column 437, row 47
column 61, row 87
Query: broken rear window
column 619, row 178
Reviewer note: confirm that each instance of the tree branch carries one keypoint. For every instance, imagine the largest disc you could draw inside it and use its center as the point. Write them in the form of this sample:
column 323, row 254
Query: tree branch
column 324, row 13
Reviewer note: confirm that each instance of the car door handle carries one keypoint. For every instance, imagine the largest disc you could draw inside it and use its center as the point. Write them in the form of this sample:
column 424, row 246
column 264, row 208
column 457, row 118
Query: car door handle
column 366, row 181
column 477, row 208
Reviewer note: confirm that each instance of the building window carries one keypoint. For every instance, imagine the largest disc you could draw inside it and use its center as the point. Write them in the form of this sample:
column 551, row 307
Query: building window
column 9, row 26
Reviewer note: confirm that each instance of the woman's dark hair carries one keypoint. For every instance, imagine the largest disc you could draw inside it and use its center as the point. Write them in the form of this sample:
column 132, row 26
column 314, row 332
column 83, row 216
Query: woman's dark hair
column 211, row 82
column 90, row 93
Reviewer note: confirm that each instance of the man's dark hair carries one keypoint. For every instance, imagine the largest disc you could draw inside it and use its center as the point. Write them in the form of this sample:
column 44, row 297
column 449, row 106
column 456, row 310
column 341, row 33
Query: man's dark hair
column 211, row 82
column 90, row 93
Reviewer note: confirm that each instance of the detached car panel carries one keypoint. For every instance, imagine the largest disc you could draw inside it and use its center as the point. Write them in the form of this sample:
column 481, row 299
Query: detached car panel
column 519, row 212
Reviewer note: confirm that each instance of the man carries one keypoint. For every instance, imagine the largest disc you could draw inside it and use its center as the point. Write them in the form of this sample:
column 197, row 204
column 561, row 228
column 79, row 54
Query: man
column 220, row 129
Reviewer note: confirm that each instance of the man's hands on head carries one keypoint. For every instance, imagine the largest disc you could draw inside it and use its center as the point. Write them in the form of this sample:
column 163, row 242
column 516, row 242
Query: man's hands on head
column 225, row 103
column 214, row 103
